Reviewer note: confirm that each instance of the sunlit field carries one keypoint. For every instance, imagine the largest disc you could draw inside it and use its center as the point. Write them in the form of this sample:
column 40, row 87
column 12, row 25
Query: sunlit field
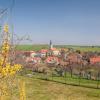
column 37, row 89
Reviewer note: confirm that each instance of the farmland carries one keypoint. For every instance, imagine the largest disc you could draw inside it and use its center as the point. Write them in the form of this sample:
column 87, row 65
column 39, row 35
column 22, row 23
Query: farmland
column 45, row 46
column 31, row 47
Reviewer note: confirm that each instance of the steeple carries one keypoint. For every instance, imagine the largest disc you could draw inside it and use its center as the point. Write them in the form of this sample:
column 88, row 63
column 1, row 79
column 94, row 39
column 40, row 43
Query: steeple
column 51, row 45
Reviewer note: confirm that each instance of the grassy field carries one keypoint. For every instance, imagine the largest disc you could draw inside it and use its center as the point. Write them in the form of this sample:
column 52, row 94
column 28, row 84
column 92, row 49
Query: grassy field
column 75, row 80
column 37, row 89
column 38, row 47
column 31, row 47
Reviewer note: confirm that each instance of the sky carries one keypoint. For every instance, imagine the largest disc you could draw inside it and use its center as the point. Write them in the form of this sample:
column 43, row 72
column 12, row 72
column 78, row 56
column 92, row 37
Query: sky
column 70, row 22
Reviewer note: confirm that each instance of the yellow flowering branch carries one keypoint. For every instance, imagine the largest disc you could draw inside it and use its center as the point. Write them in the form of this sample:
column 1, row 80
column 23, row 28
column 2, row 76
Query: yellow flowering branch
column 22, row 90
column 6, row 68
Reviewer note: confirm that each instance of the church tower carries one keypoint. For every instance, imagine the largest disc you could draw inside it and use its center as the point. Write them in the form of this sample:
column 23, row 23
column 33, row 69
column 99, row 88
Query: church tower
column 50, row 45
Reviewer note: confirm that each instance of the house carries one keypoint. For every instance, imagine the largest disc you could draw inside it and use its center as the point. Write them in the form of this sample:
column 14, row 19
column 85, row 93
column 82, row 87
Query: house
column 94, row 60
column 34, row 60
column 52, row 50
column 43, row 52
column 33, row 54
column 55, row 52
column 52, row 60
column 74, row 58
column 26, row 53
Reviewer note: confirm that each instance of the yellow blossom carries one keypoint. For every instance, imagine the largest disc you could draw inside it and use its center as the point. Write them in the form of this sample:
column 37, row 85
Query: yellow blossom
column 6, row 28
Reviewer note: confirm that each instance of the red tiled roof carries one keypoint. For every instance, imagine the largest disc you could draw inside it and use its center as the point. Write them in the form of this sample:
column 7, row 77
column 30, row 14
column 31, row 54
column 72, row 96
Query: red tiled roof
column 53, row 49
column 43, row 50
column 49, row 59
column 95, row 59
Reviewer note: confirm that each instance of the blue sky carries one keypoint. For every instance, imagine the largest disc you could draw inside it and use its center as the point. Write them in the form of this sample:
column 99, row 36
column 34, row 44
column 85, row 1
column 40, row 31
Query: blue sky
column 71, row 22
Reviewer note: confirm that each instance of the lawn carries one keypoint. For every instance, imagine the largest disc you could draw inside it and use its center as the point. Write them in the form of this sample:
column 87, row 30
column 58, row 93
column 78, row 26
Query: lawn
column 37, row 89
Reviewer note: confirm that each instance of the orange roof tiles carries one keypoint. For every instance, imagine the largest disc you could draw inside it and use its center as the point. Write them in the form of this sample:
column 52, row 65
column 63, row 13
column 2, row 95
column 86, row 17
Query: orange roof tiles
column 43, row 50
column 95, row 59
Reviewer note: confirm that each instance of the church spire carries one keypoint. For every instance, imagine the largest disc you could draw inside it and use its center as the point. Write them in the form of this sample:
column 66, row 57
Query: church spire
column 51, row 45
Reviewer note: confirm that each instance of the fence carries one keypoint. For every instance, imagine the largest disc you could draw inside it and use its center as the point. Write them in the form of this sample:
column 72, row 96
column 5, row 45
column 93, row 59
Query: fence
column 67, row 78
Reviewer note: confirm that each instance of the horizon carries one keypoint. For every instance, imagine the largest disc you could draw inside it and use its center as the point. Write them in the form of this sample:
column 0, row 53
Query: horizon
column 60, row 44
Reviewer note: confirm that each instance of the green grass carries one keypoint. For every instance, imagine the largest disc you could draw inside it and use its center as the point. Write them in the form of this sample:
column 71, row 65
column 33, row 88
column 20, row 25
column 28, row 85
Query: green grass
column 82, row 48
column 31, row 47
column 37, row 89
column 70, row 80
column 38, row 47
column 86, row 49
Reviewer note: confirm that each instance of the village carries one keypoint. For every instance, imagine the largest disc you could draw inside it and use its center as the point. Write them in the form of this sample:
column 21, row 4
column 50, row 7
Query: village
column 65, row 59
column 53, row 55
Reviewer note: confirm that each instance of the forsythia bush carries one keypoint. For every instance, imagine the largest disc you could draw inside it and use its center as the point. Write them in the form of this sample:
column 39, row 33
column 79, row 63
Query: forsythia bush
column 7, row 70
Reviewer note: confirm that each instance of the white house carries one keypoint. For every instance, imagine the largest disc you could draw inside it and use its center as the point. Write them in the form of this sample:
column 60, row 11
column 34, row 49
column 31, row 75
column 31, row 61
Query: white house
column 55, row 52
column 43, row 52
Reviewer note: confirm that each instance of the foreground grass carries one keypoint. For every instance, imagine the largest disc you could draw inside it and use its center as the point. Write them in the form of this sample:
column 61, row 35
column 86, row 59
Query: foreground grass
column 37, row 89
